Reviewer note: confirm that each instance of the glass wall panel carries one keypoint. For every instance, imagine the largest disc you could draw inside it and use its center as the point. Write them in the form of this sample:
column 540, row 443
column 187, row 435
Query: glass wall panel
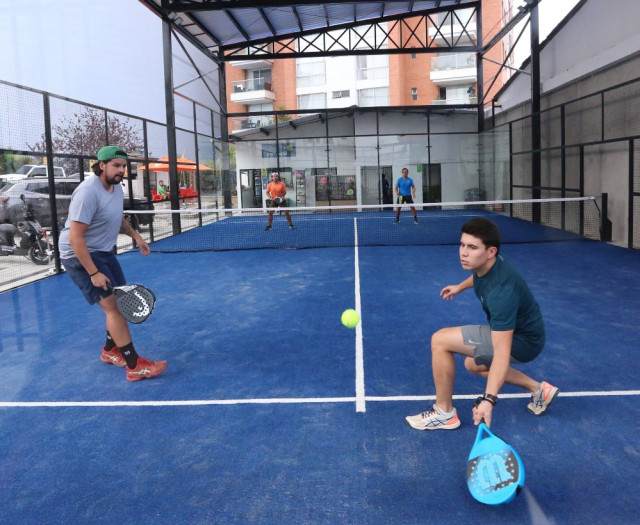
column 457, row 156
column 156, row 140
column 210, row 186
column 304, row 126
column 366, row 123
column 203, row 120
column 183, row 113
column 403, row 122
column 453, row 122
column 341, row 125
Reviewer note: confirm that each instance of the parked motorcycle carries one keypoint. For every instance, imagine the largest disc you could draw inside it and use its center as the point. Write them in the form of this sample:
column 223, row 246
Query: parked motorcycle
column 32, row 243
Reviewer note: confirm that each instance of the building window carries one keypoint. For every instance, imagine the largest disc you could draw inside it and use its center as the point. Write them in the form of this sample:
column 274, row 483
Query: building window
column 257, row 78
column 373, row 67
column 310, row 73
column 341, row 94
column 414, row 93
column 373, row 97
column 312, row 101
column 256, row 121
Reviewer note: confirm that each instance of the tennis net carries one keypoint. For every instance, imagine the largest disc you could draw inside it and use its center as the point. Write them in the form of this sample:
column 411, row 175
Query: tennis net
column 521, row 221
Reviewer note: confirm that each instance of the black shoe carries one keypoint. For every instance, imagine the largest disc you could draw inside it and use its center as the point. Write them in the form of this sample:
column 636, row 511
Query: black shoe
column 415, row 221
column 292, row 227
column 267, row 229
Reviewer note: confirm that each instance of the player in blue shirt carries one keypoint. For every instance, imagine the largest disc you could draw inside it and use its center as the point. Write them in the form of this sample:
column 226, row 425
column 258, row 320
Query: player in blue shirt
column 406, row 192
column 515, row 334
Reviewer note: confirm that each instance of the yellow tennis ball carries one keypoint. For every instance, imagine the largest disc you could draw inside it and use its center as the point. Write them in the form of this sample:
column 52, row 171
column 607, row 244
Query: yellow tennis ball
column 350, row 318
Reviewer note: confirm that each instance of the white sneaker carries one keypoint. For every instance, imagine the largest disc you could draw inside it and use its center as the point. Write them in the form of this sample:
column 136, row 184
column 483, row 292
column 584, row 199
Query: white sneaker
column 541, row 400
column 434, row 419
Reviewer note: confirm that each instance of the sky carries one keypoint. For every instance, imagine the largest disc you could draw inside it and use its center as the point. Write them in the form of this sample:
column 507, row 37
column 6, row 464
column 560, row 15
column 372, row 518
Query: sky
column 106, row 52
column 109, row 52
column 550, row 13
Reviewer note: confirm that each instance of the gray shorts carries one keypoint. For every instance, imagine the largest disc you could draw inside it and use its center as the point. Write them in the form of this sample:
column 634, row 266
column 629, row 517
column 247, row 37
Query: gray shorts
column 480, row 336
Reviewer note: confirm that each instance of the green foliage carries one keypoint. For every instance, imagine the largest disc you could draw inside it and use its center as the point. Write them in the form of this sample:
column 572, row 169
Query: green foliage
column 282, row 118
column 10, row 162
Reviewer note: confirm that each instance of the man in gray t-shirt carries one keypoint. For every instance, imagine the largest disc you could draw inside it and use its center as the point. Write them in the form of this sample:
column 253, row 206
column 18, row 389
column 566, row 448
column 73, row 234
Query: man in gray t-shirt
column 87, row 252
column 100, row 210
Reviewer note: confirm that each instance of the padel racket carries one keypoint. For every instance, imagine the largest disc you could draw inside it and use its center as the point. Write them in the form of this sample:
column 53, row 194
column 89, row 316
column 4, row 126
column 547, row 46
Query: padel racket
column 135, row 302
column 495, row 473
column 278, row 200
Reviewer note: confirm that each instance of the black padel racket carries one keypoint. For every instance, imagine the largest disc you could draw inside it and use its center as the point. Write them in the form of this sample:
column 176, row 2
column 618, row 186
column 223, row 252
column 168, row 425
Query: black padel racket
column 495, row 473
column 135, row 302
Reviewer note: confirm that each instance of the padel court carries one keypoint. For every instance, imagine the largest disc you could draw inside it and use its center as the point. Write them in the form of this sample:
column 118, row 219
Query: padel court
column 272, row 412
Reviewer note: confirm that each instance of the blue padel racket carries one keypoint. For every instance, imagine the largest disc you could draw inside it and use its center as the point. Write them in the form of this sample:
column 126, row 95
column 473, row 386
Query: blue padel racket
column 135, row 302
column 495, row 473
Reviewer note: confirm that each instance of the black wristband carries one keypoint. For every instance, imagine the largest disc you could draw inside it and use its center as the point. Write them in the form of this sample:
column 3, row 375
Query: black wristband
column 492, row 398
column 94, row 273
column 486, row 397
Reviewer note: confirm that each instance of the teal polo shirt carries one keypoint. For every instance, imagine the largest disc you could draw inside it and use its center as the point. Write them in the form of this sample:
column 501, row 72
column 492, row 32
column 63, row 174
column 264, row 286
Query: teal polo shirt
column 509, row 305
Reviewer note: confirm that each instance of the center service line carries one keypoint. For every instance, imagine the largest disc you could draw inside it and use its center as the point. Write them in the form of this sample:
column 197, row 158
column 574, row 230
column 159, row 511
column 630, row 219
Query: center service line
column 360, row 397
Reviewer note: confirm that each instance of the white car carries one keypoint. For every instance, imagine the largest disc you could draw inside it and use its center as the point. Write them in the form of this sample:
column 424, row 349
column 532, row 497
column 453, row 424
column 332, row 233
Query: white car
column 30, row 170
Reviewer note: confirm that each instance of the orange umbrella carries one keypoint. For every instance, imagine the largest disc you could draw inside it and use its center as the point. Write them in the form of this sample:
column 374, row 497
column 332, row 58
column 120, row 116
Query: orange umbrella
column 183, row 165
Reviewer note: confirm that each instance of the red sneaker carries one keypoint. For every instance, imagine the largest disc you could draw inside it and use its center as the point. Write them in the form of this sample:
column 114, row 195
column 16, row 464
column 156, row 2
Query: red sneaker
column 114, row 357
column 145, row 369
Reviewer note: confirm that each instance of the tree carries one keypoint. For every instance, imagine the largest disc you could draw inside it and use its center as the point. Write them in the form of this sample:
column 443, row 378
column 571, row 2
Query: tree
column 280, row 117
column 10, row 162
column 85, row 133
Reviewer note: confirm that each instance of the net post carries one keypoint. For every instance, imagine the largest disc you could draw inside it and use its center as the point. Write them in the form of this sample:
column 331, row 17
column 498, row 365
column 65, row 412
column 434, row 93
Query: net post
column 605, row 223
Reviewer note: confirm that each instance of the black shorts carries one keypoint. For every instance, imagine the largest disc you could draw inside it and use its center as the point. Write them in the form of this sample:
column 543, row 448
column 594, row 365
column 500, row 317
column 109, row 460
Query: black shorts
column 106, row 263
column 406, row 199
column 274, row 204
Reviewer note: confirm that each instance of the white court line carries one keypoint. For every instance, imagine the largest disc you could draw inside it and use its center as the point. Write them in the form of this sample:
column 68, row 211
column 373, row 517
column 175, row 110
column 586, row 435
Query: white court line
column 360, row 396
column 283, row 400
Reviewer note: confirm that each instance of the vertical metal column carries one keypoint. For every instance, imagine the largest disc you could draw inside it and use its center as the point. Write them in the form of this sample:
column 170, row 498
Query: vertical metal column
column 55, row 231
column 479, row 71
column 536, row 157
column 174, row 186
column 225, row 176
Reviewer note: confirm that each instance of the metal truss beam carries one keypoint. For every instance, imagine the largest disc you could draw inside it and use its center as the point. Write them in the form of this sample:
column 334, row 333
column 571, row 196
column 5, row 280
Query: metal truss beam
column 392, row 35
column 185, row 6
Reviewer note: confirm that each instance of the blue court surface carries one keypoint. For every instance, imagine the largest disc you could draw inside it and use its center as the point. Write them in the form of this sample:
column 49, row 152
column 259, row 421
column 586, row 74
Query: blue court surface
column 271, row 412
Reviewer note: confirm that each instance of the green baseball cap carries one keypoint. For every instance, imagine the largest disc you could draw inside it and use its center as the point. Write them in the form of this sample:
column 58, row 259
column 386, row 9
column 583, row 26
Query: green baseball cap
column 111, row 152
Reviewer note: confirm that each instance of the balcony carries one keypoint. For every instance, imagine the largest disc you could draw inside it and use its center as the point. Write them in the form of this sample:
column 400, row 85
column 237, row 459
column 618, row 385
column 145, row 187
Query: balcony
column 451, row 70
column 252, row 91
column 464, row 100
column 254, row 60
column 240, row 124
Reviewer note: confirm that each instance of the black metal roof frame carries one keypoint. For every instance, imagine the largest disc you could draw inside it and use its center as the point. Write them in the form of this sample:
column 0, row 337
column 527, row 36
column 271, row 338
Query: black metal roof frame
column 243, row 23
column 220, row 25
column 192, row 19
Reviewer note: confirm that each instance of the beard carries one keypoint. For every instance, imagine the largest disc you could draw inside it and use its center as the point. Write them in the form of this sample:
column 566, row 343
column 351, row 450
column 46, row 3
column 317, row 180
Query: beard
column 113, row 179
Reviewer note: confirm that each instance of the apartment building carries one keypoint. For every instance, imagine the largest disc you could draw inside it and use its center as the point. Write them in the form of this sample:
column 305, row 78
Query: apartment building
column 264, row 85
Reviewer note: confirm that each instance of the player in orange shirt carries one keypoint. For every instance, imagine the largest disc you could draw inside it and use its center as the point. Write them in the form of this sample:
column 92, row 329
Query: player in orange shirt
column 277, row 191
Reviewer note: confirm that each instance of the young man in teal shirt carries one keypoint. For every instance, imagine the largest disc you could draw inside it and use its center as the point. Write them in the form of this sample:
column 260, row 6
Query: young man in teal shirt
column 515, row 334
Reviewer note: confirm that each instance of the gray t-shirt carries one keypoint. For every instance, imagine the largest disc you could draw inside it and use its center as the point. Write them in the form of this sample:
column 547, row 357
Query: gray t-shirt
column 92, row 204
